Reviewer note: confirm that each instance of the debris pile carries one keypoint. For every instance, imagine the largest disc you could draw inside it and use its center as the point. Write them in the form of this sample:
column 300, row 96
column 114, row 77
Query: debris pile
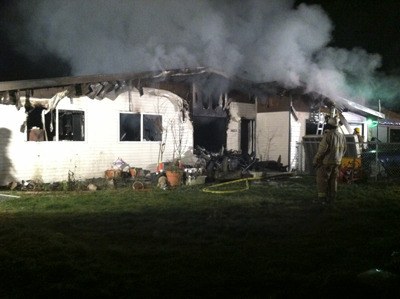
column 231, row 165
column 224, row 165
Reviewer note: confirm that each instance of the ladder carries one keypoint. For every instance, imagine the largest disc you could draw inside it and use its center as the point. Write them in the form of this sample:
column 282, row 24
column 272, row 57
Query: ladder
column 320, row 128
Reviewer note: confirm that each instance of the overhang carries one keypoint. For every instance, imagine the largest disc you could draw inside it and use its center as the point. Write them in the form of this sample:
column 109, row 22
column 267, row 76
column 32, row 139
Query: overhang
column 345, row 104
column 100, row 86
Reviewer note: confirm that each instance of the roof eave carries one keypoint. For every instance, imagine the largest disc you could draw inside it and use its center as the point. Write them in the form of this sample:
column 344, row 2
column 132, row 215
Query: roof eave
column 67, row 81
column 355, row 107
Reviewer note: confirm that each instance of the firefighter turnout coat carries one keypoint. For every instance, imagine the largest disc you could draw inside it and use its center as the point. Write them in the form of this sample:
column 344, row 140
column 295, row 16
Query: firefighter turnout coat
column 331, row 148
column 327, row 161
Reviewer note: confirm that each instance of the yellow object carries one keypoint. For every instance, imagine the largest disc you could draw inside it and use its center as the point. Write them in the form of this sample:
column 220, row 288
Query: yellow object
column 211, row 189
column 357, row 130
column 241, row 187
column 350, row 169
column 350, row 162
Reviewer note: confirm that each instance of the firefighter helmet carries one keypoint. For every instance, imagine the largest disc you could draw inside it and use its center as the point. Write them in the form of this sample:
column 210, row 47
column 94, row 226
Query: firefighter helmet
column 334, row 121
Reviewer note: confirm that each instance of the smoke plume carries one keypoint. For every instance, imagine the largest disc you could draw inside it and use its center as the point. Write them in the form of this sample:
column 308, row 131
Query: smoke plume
column 260, row 40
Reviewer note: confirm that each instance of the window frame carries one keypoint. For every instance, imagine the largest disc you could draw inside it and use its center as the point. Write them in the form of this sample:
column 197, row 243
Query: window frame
column 57, row 125
column 43, row 127
column 142, row 128
column 54, row 121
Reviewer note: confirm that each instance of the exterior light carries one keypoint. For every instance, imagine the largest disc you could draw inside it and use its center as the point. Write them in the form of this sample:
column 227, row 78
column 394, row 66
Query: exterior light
column 372, row 123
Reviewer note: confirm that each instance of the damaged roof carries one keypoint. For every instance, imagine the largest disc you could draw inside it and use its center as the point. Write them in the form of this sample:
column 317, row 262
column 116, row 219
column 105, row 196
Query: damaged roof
column 110, row 86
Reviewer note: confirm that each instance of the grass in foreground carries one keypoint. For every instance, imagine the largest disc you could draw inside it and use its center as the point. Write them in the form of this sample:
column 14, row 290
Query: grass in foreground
column 269, row 241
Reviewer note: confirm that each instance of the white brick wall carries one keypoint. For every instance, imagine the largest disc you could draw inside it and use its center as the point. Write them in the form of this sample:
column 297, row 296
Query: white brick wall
column 51, row 161
column 298, row 130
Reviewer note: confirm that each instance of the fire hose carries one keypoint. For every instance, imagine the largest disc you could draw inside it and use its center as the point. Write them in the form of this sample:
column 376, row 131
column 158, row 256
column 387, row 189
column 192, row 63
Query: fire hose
column 211, row 188
column 247, row 186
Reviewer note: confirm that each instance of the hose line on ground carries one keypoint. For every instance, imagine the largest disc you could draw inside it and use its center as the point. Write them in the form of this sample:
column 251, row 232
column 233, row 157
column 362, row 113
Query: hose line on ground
column 210, row 188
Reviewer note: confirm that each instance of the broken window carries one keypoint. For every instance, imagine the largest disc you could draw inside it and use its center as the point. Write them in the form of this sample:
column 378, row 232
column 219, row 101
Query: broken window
column 210, row 132
column 40, row 125
column 71, row 125
column 140, row 127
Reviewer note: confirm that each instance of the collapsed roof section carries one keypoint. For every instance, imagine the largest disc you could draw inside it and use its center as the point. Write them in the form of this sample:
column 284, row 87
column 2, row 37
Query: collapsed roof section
column 110, row 86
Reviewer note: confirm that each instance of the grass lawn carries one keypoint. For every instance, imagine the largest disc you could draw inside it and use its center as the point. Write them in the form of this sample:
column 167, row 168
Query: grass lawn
column 267, row 242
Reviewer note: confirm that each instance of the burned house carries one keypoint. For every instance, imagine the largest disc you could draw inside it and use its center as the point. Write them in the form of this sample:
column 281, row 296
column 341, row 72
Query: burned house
column 82, row 124
column 50, row 127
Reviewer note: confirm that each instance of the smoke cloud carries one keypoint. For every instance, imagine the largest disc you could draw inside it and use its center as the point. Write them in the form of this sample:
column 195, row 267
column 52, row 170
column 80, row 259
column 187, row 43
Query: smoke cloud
column 260, row 40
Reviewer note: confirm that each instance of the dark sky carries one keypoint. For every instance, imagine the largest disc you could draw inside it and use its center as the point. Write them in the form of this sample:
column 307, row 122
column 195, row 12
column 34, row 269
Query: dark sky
column 371, row 25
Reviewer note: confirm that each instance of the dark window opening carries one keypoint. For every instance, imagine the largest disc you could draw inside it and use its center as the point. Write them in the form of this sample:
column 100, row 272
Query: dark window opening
column 205, row 100
column 131, row 127
column 36, row 129
column 210, row 132
column 215, row 101
column 394, row 135
column 71, row 125
column 311, row 128
column 247, row 133
column 152, row 127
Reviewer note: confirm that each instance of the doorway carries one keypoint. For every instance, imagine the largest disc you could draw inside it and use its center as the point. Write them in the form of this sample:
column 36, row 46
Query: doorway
column 247, row 139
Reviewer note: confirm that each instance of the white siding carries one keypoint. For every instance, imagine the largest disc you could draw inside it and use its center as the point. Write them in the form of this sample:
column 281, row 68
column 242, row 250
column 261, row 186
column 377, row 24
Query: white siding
column 297, row 131
column 382, row 133
column 273, row 136
column 51, row 161
column 355, row 120
column 238, row 111
column 10, row 149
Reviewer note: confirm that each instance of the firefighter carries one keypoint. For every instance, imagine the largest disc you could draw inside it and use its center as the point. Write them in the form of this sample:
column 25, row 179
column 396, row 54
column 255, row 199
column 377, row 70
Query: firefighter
column 357, row 135
column 327, row 161
column 359, row 141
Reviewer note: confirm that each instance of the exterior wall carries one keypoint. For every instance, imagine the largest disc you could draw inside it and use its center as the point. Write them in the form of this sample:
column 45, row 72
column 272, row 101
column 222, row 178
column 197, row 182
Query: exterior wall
column 52, row 160
column 381, row 133
column 359, row 121
column 11, row 150
column 297, row 131
column 238, row 111
column 273, row 131
column 385, row 133
column 272, row 136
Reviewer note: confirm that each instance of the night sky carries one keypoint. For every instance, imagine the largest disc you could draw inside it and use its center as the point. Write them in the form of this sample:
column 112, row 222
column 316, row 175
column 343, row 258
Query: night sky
column 369, row 25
